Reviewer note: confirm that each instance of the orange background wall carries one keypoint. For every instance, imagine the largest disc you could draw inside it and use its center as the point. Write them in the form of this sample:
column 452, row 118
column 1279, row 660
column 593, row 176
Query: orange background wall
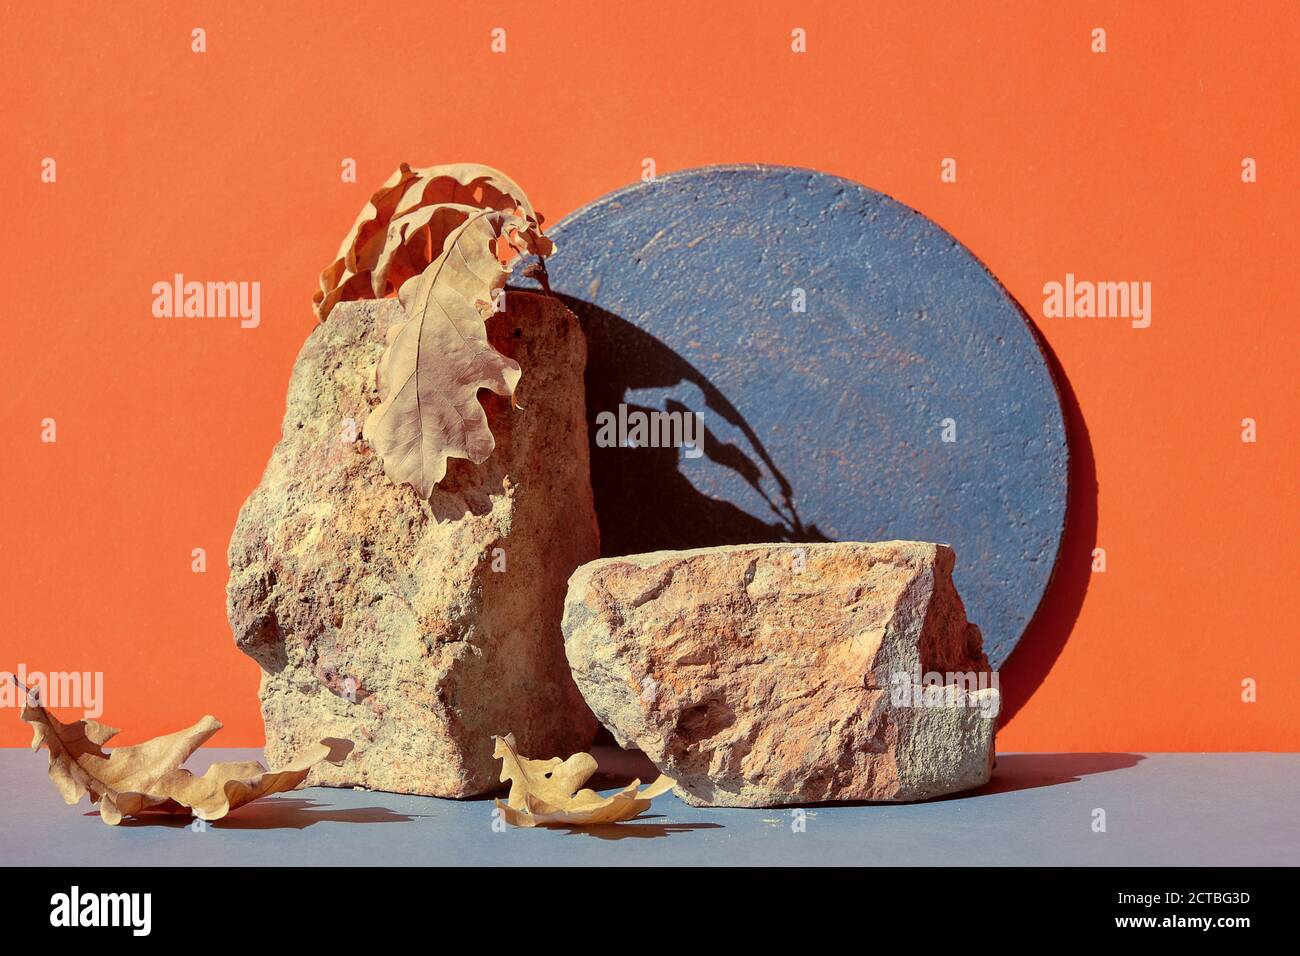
column 225, row 165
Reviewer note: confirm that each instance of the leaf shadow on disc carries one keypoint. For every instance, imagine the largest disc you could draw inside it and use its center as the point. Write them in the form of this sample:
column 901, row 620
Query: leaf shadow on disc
column 643, row 500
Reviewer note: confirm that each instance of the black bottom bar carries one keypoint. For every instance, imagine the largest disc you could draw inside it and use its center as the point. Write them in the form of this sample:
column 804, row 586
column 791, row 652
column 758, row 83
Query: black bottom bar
column 343, row 906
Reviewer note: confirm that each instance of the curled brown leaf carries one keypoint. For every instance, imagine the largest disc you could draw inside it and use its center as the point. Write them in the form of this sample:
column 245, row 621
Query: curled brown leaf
column 403, row 221
column 127, row 781
column 440, row 237
column 548, row 793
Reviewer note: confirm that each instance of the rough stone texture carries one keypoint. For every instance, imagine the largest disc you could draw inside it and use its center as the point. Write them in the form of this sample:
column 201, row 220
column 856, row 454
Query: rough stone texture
column 754, row 683
column 379, row 617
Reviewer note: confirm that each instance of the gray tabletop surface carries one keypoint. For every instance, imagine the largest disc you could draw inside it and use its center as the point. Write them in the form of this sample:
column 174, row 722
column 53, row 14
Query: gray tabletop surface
column 1039, row 809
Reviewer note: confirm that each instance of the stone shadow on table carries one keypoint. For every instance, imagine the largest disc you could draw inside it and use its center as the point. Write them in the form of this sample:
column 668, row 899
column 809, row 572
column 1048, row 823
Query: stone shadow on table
column 616, row 767
column 284, row 813
column 1014, row 772
column 1030, row 771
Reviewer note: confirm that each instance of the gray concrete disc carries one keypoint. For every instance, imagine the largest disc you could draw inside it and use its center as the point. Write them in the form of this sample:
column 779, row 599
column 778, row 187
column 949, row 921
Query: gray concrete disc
column 827, row 423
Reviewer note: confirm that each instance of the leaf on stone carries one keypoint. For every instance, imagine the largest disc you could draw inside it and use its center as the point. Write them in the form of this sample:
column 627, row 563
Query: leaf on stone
column 127, row 781
column 439, row 358
column 547, row 792
column 441, row 238
column 406, row 223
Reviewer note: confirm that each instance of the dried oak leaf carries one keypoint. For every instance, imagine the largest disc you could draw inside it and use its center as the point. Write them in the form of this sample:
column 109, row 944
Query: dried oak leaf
column 147, row 777
column 441, row 237
column 546, row 792
column 439, row 358
column 406, row 222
